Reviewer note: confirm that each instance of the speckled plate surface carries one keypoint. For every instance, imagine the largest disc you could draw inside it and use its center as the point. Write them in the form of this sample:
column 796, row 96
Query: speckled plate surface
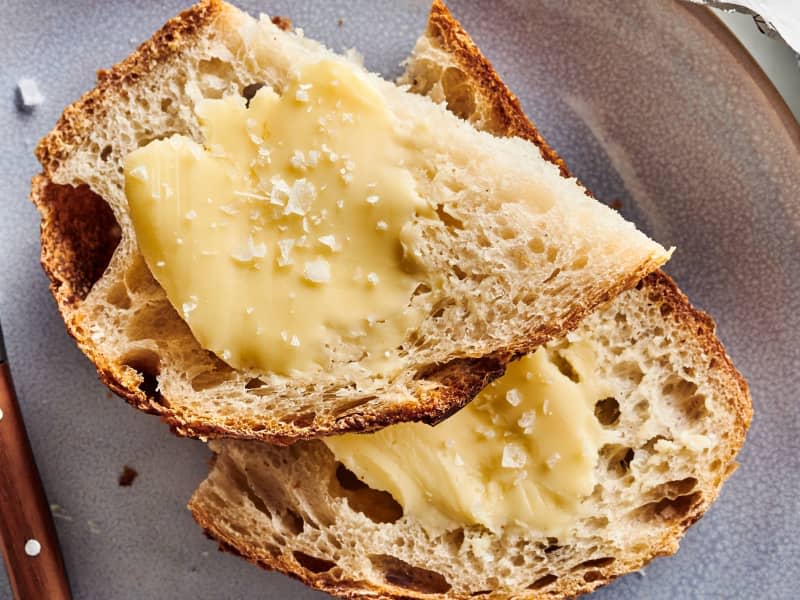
column 650, row 102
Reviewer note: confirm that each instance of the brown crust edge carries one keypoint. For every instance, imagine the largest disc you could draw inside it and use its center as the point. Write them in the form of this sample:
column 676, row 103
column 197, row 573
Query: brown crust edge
column 458, row 44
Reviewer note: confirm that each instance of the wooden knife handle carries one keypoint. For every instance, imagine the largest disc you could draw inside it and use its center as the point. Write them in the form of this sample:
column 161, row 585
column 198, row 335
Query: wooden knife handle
column 30, row 547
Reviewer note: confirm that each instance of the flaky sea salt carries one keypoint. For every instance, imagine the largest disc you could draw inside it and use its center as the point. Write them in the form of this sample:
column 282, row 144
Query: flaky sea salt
column 513, row 397
column 514, row 457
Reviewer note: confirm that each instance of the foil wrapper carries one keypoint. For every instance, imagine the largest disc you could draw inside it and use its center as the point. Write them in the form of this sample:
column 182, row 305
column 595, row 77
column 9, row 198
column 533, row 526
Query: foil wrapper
column 778, row 19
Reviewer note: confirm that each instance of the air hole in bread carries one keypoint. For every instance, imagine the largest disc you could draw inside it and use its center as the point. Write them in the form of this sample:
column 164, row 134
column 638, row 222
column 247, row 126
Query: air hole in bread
column 680, row 394
column 430, row 172
column 211, row 378
column 630, row 371
column 650, row 445
column 249, row 91
column 146, row 136
column 536, row 245
column 254, row 383
column 147, row 364
column 118, row 296
column 449, row 220
column 300, row 421
column 105, row 153
column 313, row 563
column 82, row 232
column 459, row 272
column 401, row 574
column 579, row 263
column 453, row 540
column 678, row 386
column 595, row 563
column 459, row 95
column 292, row 522
column 566, row 368
column 543, row 582
column 271, row 549
column 695, row 407
column 452, row 77
column 378, row 506
column 715, row 465
column 617, row 458
column 669, row 510
column 138, row 277
column 343, row 408
column 552, row 275
column 607, row 412
column 597, row 522
column 422, row 288
column 552, row 254
column 242, row 483
column 143, row 102
column 216, row 68
column 673, row 489
column 462, row 102
column 439, row 309
column 155, row 321
column 590, row 576
column 552, row 545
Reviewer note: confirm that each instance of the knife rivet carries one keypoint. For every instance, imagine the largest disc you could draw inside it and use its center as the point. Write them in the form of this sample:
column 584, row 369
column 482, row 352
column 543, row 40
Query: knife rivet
column 33, row 548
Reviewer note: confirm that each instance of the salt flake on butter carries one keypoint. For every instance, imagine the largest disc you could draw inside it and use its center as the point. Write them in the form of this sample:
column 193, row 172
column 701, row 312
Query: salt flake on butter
column 139, row 173
column 298, row 160
column 317, row 271
column 300, row 197
column 250, row 252
column 553, row 460
column 486, row 432
column 285, row 249
column 527, row 420
column 513, row 397
column 190, row 306
column 328, row 240
column 514, row 457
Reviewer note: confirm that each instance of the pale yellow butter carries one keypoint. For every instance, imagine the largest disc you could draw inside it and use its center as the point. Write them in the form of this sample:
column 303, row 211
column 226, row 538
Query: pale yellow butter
column 522, row 453
column 281, row 236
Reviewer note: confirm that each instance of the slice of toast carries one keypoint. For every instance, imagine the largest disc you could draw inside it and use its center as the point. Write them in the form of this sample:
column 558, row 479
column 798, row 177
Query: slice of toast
column 683, row 411
column 511, row 279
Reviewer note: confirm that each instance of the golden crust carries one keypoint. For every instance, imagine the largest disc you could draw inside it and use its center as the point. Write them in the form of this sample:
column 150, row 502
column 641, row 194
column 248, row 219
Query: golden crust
column 661, row 290
column 510, row 119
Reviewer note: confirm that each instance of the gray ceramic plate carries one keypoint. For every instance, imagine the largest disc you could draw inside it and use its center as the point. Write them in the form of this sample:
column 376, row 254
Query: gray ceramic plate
column 650, row 102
